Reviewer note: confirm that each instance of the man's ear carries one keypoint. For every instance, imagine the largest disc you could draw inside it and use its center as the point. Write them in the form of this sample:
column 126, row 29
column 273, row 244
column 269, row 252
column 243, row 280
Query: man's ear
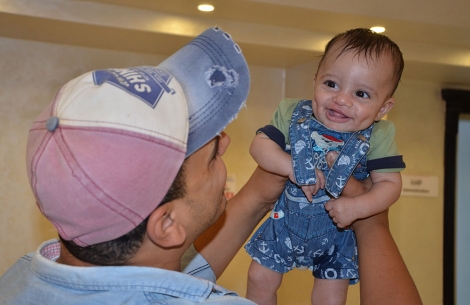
column 164, row 229
column 385, row 108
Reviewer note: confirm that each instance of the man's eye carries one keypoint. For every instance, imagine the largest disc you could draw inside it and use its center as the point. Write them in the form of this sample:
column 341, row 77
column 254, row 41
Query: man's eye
column 362, row 94
column 331, row 84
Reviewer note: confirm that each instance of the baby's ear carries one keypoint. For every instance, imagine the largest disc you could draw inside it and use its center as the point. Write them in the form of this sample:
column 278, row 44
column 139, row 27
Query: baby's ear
column 385, row 108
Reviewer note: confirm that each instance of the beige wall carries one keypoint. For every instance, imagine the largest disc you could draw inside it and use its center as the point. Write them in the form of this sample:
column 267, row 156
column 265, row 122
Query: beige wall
column 32, row 72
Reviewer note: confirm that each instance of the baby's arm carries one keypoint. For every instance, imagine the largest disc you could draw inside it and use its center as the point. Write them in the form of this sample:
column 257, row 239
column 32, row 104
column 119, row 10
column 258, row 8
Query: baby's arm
column 385, row 190
column 272, row 158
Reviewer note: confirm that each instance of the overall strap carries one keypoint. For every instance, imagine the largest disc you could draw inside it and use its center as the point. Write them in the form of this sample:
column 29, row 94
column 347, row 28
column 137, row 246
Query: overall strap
column 301, row 143
column 351, row 154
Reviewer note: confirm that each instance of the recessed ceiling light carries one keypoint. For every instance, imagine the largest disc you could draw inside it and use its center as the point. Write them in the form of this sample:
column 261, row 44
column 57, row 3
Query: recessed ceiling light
column 378, row 29
column 205, row 8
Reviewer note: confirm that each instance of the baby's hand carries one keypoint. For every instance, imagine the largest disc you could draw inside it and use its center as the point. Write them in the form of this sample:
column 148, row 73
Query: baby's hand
column 311, row 189
column 342, row 210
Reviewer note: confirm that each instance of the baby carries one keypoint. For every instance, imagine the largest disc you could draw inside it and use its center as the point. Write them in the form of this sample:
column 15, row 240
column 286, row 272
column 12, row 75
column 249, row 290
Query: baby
column 353, row 89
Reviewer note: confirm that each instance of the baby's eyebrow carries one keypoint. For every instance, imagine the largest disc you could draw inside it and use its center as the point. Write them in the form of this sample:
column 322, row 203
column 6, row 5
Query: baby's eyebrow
column 327, row 75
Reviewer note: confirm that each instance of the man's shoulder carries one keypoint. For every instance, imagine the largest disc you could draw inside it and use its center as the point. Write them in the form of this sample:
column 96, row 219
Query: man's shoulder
column 194, row 263
column 18, row 268
column 37, row 277
column 226, row 300
column 14, row 278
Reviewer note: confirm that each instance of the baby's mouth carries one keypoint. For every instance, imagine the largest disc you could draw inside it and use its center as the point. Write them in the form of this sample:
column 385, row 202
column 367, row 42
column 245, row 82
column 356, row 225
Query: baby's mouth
column 335, row 115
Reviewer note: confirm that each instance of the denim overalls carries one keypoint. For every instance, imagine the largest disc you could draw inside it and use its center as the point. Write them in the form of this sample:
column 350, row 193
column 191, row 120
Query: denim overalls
column 299, row 233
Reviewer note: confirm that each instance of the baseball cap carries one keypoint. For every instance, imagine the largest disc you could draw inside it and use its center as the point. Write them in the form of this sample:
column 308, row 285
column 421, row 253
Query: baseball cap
column 103, row 154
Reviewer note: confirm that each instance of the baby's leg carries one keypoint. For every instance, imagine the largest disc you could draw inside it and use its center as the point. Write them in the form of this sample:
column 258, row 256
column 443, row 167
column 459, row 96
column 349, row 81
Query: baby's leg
column 263, row 284
column 329, row 292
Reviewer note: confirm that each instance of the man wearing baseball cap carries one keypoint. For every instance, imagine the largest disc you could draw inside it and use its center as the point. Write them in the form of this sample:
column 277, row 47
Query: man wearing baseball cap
column 109, row 162
column 126, row 164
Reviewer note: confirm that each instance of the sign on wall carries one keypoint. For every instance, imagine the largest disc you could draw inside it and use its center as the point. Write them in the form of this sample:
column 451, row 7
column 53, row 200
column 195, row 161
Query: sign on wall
column 420, row 186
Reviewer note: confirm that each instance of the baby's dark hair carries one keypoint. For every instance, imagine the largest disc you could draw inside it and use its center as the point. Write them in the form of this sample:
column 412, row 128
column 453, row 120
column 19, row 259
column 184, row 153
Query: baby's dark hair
column 371, row 44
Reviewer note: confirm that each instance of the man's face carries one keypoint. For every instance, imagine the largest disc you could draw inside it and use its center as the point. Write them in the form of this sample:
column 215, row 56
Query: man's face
column 352, row 91
column 205, row 176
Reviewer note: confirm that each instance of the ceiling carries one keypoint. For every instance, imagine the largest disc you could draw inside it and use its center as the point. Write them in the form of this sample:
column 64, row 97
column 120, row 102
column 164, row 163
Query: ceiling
column 434, row 35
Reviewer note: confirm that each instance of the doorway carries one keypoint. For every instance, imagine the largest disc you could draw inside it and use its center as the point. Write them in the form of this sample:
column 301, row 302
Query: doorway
column 457, row 105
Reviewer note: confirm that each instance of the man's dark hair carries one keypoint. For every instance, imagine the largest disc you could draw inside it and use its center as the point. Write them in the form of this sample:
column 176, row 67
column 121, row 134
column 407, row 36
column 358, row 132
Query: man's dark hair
column 119, row 251
column 372, row 45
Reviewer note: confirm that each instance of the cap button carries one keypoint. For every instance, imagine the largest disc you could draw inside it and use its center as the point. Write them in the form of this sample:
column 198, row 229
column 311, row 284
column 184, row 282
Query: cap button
column 52, row 123
column 301, row 120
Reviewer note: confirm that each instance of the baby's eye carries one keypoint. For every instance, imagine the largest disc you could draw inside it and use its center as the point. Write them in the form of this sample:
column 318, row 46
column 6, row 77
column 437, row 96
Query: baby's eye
column 331, row 84
column 362, row 94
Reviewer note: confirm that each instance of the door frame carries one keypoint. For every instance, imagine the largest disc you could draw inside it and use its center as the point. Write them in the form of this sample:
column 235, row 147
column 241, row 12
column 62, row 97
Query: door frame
column 457, row 102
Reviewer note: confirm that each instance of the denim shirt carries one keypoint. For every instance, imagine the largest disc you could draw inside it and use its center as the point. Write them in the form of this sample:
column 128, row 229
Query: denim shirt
column 37, row 279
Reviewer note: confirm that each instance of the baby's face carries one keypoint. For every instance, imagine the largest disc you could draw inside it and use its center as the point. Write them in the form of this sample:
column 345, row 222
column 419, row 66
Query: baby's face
column 352, row 91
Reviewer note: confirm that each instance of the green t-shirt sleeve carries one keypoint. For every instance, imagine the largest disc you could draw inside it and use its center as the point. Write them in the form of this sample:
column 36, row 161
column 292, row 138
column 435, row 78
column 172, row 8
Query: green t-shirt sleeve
column 382, row 143
column 283, row 115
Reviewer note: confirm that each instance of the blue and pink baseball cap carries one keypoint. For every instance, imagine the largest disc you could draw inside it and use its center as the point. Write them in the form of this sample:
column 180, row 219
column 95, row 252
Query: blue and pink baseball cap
column 103, row 154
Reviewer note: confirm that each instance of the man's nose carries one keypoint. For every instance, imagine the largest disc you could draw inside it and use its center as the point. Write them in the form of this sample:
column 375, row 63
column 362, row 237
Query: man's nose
column 224, row 142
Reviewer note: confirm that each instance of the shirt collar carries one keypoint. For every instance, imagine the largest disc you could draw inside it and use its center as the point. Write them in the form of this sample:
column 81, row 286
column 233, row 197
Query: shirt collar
column 143, row 279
